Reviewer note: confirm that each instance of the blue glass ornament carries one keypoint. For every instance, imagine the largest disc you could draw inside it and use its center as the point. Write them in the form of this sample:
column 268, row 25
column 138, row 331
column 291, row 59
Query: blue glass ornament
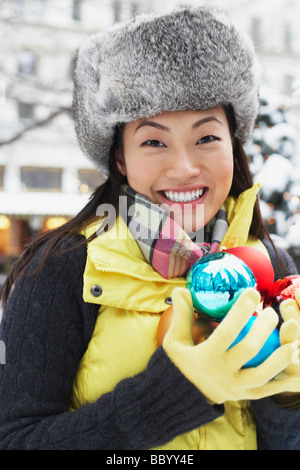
column 216, row 281
column 272, row 343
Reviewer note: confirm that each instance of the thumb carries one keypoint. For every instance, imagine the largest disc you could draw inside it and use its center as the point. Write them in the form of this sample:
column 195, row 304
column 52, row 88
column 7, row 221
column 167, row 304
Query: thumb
column 181, row 325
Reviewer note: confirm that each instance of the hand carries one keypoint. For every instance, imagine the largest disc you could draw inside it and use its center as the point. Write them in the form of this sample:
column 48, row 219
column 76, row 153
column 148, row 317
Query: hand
column 290, row 330
column 216, row 371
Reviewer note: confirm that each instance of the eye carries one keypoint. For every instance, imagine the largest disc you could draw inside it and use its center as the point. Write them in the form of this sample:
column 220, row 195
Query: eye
column 153, row 143
column 207, row 139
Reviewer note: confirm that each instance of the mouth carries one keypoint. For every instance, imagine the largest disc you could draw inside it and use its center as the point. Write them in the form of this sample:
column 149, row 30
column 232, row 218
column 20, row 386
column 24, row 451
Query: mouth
column 184, row 196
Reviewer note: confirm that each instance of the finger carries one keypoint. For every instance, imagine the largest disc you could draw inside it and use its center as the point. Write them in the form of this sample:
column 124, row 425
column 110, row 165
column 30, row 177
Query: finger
column 297, row 296
column 289, row 310
column 289, row 331
column 254, row 340
column 236, row 319
column 181, row 325
column 270, row 368
column 274, row 387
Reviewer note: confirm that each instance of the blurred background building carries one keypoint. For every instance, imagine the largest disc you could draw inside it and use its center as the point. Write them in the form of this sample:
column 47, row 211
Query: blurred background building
column 44, row 177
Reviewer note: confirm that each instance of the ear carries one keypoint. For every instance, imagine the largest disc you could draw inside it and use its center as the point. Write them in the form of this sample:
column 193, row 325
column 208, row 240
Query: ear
column 120, row 162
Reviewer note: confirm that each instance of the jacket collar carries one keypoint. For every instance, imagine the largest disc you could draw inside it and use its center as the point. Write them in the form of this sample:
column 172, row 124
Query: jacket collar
column 239, row 216
column 114, row 260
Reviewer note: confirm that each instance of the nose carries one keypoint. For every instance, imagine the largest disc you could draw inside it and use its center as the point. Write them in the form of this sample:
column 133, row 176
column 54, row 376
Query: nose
column 182, row 166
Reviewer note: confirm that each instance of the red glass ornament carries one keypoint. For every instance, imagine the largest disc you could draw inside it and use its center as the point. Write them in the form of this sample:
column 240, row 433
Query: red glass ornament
column 259, row 264
column 281, row 290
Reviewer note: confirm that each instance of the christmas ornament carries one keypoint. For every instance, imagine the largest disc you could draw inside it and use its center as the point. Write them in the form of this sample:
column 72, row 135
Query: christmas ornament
column 272, row 343
column 215, row 283
column 259, row 264
column 201, row 328
column 281, row 290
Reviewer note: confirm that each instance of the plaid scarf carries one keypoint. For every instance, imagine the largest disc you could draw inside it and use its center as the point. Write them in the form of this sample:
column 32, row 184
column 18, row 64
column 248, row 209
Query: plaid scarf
column 163, row 242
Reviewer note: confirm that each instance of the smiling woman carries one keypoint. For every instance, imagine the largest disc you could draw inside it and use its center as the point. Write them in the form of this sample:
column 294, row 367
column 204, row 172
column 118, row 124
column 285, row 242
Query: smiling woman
column 184, row 157
column 162, row 109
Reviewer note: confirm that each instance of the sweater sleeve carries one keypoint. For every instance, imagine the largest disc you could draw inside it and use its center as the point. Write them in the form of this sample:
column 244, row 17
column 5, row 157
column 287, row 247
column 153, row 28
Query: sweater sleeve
column 278, row 428
column 46, row 328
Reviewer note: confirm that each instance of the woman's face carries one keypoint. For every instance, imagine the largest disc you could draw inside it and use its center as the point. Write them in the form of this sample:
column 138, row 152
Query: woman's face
column 182, row 160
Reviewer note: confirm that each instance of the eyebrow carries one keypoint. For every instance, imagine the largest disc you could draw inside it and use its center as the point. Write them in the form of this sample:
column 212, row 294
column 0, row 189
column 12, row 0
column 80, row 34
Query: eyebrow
column 204, row 120
column 152, row 124
column 164, row 128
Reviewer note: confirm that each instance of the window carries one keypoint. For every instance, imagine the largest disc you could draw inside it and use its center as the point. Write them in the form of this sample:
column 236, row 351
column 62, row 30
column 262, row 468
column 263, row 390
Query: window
column 117, row 11
column 289, row 81
column 256, row 31
column 2, row 92
column 134, row 8
column 39, row 8
column 18, row 7
column 26, row 62
column 25, row 111
column 41, row 179
column 21, row 8
column 76, row 10
column 1, row 177
column 88, row 180
column 288, row 37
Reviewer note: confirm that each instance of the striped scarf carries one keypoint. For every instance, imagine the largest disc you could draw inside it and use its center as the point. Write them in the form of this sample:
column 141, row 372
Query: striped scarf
column 163, row 242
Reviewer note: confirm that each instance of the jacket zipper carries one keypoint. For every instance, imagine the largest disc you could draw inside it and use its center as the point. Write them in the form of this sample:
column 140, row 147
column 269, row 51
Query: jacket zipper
column 141, row 278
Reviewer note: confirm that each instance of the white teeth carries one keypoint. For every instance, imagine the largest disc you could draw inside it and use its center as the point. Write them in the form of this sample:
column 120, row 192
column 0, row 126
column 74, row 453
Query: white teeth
column 188, row 196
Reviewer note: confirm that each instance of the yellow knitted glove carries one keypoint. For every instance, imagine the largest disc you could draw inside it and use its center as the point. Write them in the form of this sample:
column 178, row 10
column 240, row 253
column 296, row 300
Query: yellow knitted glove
column 216, row 371
column 290, row 330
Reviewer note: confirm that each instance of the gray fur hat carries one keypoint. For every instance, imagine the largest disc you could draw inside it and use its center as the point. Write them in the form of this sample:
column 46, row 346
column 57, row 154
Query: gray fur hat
column 191, row 58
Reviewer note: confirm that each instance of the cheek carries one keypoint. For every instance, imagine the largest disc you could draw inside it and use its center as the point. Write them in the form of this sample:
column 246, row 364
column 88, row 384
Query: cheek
column 224, row 171
column 135, row 170
column 141, row 175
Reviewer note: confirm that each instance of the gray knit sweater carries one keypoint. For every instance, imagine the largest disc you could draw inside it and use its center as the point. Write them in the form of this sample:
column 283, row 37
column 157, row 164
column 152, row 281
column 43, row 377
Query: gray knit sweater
column 46, row 328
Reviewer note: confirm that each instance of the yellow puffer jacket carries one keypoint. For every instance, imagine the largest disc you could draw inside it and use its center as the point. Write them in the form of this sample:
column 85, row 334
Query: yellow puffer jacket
column 132, row 297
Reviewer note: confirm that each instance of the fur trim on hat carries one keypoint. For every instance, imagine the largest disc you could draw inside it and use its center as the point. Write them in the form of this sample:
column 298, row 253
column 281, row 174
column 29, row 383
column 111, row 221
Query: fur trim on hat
column 191, row 58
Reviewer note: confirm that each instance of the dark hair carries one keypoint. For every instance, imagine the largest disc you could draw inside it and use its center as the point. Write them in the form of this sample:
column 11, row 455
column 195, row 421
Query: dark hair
column 242, row 178
column 108, row 193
